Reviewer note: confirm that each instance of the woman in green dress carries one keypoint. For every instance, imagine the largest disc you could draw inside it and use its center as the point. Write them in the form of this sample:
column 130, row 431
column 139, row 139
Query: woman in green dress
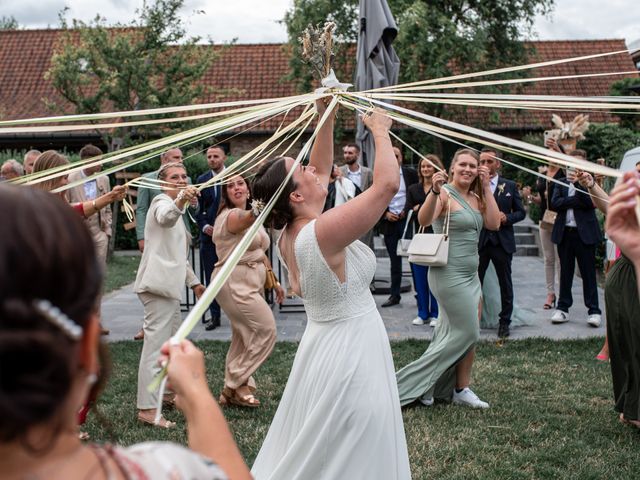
column 448, row 360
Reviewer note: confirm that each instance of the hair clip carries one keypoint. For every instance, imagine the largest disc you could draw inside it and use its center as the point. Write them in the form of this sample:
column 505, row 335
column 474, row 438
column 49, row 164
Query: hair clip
column 257, row 206
column 59, row 319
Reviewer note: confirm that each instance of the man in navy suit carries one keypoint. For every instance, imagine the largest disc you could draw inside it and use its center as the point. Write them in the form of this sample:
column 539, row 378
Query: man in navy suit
column 206, row 217
column 499, row 246
column 391, row 225
column 577, row 234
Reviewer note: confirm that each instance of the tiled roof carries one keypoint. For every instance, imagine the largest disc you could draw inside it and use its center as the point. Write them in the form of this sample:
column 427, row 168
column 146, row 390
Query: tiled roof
column 259, row 70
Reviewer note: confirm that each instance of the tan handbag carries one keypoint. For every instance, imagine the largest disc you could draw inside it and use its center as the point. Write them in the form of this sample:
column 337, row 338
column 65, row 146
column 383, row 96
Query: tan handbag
column 549, row 217
column 431, row 249
column 270, row 281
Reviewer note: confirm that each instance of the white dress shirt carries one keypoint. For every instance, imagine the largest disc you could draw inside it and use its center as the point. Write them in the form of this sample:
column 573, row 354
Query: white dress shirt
column 355, row 177
column 571, row 218
column 399, row 200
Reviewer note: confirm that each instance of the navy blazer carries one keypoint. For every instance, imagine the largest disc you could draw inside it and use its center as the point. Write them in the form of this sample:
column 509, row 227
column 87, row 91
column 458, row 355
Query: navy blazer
column 584, row 212
column 410, row 177
column 209, row 202
column 509, row 202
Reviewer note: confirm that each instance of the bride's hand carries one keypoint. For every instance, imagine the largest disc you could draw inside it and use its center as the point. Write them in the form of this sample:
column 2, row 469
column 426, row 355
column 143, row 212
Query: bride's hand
column 377, row 121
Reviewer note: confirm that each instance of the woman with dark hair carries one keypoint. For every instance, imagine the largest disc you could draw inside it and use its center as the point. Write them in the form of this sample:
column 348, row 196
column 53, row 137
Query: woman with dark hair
column 163, row 272
column 253, row 327
column 448, row 360
column 52, row 159
column 416, row 195
column 49, row 336
column 339, row 416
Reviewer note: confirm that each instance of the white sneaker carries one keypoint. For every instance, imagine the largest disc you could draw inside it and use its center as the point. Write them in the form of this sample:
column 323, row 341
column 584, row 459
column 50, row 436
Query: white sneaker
column 468, row 398
column 418, row 321
column 559, row 317
column 595, row 320
column 426, row 401
column 432, row 321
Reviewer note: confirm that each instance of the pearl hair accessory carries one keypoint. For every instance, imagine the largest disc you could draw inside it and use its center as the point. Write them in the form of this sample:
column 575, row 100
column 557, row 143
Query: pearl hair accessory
column 257, row 206
column 59, row 319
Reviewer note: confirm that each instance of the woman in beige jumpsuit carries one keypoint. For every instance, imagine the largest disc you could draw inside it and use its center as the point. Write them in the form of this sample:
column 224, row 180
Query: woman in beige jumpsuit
column 242, row 296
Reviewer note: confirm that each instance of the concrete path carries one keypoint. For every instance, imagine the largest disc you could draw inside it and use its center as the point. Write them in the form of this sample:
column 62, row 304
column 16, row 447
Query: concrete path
column 122, row 311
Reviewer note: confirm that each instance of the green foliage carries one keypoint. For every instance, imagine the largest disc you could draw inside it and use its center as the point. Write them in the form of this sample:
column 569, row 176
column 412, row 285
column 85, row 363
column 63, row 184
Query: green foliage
column 147, row 63
column 551, row 412
column 609, row 141
column 623, row 88
column 434, row 38
column 9, row 23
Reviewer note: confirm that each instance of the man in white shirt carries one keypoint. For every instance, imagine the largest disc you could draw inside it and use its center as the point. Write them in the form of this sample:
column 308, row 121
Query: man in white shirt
column 577, row 233
column 360, row 176
column 392, row 225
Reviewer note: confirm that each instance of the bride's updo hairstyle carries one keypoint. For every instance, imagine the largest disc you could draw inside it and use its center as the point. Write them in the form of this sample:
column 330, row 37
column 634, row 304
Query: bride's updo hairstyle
column 269, row 177
column 47, row 259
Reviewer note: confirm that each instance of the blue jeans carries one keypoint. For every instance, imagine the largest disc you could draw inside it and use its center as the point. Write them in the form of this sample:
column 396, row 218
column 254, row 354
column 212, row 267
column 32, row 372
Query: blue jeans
column 427, row 304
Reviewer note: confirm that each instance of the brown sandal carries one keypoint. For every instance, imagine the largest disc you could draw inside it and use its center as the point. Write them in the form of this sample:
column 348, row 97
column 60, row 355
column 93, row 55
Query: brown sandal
column 230, row 396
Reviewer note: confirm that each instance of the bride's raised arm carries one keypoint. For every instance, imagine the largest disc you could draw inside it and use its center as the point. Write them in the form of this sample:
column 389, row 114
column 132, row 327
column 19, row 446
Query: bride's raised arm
column 321, row 156
column 340, row 226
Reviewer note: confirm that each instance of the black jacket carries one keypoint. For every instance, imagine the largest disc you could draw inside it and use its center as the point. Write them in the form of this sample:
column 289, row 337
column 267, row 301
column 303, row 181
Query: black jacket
column 509, row 202
column 410, row 177
column 584, row 212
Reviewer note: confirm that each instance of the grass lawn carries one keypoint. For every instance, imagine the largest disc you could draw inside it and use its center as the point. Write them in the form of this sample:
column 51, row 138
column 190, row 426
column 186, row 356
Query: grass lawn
column 551, row 413
column 121, row 271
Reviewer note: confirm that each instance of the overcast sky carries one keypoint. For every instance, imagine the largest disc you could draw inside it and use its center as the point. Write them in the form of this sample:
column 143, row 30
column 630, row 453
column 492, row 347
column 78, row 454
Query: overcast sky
column 252, row 21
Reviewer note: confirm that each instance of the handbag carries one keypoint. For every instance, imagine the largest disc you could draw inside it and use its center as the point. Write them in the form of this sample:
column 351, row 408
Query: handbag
column 549, row 217
column 431, row 249
column 402, row 249
column 270, row 281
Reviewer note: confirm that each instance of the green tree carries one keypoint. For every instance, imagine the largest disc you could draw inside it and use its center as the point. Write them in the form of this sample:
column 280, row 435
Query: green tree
column 627, row 87
column 9, row 23
column 147, row 63
column 435, row 38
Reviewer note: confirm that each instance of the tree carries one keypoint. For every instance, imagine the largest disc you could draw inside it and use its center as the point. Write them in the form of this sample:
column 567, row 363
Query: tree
column 9, row 23
column 435, row 38
column 148, row 63
column 627, row 87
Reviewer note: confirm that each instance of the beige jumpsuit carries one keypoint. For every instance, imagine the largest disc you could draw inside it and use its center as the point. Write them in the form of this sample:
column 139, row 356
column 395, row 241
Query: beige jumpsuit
column 253, row 326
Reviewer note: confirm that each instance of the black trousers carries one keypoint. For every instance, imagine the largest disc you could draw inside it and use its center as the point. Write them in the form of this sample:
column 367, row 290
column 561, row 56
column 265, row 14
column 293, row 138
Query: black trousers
column 208, row 259
column 570, row 249
column 391, row 239
column 502, row 262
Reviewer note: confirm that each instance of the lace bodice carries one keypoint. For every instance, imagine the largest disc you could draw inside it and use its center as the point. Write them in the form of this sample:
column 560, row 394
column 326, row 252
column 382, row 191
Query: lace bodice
column 325, row 298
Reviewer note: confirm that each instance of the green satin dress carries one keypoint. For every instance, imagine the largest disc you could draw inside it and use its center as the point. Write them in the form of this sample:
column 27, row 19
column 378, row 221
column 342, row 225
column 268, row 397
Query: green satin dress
column 456, row 286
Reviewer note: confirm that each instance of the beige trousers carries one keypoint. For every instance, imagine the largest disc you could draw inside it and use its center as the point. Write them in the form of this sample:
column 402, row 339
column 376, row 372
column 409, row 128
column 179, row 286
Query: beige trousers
column 253, row 327
column 101, row 242
column 161, row 320
column 551, row 260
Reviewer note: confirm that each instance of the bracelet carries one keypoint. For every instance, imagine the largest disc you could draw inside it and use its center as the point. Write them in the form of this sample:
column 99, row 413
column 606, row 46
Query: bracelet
column 386, row 137
column 593, row 183
column 431, row 190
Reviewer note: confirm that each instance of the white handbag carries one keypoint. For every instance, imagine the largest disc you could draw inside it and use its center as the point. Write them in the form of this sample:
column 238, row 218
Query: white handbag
column 402, row 249
column 431, row 249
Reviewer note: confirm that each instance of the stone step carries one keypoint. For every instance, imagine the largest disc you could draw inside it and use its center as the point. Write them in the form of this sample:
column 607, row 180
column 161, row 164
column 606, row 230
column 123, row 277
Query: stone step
column 525, row 238
column 526, row 250
column 520, row 228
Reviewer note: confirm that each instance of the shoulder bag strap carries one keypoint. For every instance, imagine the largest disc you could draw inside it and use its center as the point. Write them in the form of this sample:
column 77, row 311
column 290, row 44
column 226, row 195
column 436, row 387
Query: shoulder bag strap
column 406, row 225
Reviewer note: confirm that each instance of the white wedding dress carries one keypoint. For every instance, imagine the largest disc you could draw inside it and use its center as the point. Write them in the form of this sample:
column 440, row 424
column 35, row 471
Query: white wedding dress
column 339, row 417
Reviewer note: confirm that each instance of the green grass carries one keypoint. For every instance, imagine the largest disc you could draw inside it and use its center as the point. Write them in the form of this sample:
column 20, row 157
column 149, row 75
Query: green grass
column 121, row 271
column 551, row 413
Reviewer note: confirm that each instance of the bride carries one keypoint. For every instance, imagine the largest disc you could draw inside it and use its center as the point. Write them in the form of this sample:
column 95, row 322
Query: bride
column 339, row 417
